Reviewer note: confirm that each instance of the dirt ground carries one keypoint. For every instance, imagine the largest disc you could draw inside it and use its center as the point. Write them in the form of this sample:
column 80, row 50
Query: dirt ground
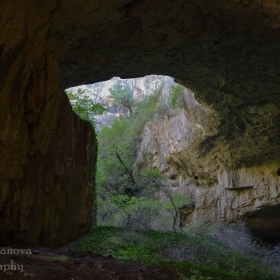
column 70, row 264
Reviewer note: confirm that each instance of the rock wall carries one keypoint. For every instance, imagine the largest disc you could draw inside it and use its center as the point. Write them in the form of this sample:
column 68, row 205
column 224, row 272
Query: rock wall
column 47, row 154
column 251, row 194
column 219, row 175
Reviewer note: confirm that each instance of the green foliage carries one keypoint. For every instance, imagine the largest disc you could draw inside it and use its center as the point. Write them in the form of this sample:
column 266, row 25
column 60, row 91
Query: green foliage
column 195, row 257
column 84, row 106
column 179, row 200
column 127, row 211
column 154, row 173
column 176, row 96
column 122, row 95
column 123, row 137
column 149, row 109
column 140, row 212
column 111, row 173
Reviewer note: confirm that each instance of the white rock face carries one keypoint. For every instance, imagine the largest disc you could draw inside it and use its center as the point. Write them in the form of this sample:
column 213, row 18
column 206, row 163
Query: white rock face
column 175, row 145
column 172, row 143
column 252, row 194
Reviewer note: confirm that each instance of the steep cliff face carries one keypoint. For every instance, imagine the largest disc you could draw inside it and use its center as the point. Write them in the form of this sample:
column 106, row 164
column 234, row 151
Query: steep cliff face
column 47, row 154
column 190, row 146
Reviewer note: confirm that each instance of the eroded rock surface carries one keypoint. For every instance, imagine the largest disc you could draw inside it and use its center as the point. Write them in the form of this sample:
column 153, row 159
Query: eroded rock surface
column 224, row 188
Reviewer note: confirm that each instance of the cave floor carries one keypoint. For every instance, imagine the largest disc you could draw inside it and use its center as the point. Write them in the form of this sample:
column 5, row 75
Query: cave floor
column 76, row 265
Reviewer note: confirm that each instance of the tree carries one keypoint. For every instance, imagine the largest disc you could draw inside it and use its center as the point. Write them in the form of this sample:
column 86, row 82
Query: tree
column 161, row 208
column 84, row 106
column 116, row 156
column 118, row 146
column 173, row 203
column 123, row 96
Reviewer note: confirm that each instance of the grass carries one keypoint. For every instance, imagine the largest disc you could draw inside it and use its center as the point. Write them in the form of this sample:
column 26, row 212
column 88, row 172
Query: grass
column 193, row 256
column 53, row 257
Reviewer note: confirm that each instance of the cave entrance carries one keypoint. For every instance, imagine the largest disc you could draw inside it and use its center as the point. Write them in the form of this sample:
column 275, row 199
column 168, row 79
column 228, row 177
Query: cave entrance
column 265, row 223
column 128, row 171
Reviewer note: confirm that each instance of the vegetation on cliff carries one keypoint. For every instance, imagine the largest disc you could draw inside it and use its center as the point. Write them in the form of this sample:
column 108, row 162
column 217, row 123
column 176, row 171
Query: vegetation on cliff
column 84, row 106
column 123, row 95
column 176, row 96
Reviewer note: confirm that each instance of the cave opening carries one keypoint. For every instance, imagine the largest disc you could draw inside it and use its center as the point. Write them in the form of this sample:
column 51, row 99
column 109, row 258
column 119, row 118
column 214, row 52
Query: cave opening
column 261, row 223
column 226, row 52
column 265, row 224
column 125, row 165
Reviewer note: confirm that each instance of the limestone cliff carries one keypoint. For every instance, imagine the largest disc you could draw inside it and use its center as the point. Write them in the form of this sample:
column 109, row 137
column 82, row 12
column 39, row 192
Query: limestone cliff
column 189, row 146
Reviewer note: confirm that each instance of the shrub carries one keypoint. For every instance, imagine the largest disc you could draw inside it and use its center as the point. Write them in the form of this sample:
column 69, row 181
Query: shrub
column 84, row 106
column 176, row 96
column 123, row 96
column 141, row 212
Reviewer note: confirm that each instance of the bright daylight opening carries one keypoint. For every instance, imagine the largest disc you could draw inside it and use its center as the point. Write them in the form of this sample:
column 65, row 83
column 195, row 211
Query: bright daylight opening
column 136, row 184
column 146, row 129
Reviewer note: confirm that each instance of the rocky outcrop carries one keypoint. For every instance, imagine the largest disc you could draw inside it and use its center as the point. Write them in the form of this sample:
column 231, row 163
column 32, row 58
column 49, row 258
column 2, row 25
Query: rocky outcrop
column 251, row 194
column 227, row 52
column 47, row 154
column 224, row 188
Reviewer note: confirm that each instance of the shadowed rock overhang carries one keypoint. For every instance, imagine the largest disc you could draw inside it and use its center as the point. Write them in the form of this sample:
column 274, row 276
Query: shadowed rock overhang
column 227, row 52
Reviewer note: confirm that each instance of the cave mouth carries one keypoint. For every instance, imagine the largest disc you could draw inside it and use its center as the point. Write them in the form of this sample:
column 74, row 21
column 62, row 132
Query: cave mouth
column 265, row 223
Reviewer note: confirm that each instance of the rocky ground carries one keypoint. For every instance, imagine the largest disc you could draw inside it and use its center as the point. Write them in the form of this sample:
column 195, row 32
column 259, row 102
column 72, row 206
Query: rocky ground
column 75, row 265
